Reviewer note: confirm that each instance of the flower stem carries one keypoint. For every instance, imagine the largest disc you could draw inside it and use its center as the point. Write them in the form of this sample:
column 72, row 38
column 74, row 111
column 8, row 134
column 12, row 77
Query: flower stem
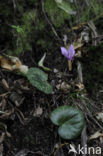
column 70, row 65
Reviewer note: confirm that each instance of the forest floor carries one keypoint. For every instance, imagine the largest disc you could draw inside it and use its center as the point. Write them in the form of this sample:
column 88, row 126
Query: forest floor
column 26, row 129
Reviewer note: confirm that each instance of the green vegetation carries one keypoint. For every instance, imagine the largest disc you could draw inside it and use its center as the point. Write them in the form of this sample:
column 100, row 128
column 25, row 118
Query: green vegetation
column 28, row 16
column 39, row 80
column 57, row 15
column 70, row 120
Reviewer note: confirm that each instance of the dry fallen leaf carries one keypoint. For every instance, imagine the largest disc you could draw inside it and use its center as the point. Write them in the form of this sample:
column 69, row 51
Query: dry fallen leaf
column 3, row 128
column 9, row 62
column 3, row 103
column 1, row 149
column 99, row 116
column 38, row 112
column 16, row 98
column 78, row 53
column 78, row 45
column 80, row 86
column 2, row 136
column 12, row 63
column 63, row 86
column 23, row 152
column 96, row 135
column 20, row 116
column 6, row 114
column 76, row 27
column 55, row 70
column 5, row 84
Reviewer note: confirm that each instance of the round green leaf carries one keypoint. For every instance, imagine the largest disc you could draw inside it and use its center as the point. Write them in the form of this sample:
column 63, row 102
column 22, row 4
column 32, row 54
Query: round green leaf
column 70, row 120
column 38, row 79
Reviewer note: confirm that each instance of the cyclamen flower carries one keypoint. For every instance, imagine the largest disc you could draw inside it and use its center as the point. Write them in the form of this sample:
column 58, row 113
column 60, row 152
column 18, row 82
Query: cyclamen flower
column 69, row 54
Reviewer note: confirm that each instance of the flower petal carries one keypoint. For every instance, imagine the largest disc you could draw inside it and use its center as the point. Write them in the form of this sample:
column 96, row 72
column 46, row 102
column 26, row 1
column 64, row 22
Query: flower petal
column 64, row 51
column 71, row 52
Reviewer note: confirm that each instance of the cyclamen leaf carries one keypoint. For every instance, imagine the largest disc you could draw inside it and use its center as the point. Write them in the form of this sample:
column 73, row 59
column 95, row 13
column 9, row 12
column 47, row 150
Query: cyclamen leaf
column 36, row 73
column 70, row 120
column 38, row 79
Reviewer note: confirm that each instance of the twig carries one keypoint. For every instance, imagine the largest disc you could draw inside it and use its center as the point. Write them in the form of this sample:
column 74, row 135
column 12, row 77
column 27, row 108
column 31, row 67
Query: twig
column 51, row 25
column 79, row 70
column 14, row 4
column 2, row 51
column 93, row 28
column 84, row 139
column 59, row 148
column 97, row 123
column 77, row 9
column 87, row 3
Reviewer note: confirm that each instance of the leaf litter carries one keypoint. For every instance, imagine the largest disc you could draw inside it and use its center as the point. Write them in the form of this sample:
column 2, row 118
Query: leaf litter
column 25, row 109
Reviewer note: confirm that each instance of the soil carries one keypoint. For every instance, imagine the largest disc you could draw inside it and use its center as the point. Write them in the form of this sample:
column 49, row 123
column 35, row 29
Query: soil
column 29, row 134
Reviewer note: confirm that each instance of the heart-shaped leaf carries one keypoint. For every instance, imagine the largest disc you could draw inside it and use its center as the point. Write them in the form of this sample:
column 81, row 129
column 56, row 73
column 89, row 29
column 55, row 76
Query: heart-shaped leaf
column 38, row 79
column 70, row 120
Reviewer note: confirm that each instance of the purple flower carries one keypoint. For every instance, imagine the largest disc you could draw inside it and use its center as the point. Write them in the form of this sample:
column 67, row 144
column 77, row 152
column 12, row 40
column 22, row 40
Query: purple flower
column 68, row 53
